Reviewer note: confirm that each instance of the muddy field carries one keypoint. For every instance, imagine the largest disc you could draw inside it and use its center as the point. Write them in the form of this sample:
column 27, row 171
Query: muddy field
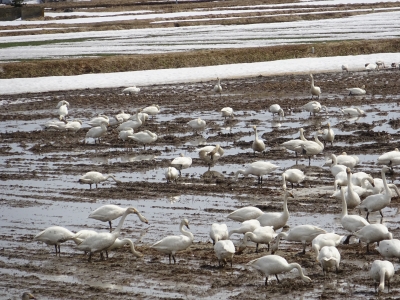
column 40, row 171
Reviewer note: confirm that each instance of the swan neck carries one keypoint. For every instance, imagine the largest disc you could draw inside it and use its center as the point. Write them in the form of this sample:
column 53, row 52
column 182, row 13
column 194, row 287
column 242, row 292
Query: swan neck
column 117, row 230
column 298, row 267
column 285, row 207
column 334, row 160
column 185, row 232
column 344, row 204
column 133, row 250
column 387, row 190
column 284, row 186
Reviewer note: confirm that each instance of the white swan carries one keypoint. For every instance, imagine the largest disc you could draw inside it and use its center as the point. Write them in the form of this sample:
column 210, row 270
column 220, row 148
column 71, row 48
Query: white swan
column 245, row 213
column 349, row 161
column 218, row 87
column 227, row 112
column 109, row 212
column 363, row 190
column 260, row 235
column 311, row 148
column 302, row 233
column 210, row 154
column 197, row 125
column 379, row 201
column 123, row 116
column 356, row 178
column 171, row 174
column 370, row 67
column 345, row 68
column 276, row 219
column 335, row 167
column 389, row 248
column 382, row 271
column 102, row 241
column 386, row 158
column 144, row 137
column 372, row 233
column 63, row 109
column 96, row 121
column 218, row 232
column 62, row 102
column 151, row 110
column 246, row 226
column 224, row 250
column 258, row 168
column 97, row 132
column 54, row 235
column 314, row 107
column 274, row 265
column 27, row 296
column 94, row 177
column 134, row 123
column 380, row 64
column 276, row 109
column 294, row 145
column 54, row 125
column 329, row 257
column 357, row 91
column 328, row 135
column 74, row 125
column 131, row 90
column 325, row 239
column 352, row 198
column 174, row 243
column 315, row 90
column 352, row 111
column 181, row 162
column 123, row 134
column 258, row 145
column 81, row 235
column 120, row 243
column 292, row 176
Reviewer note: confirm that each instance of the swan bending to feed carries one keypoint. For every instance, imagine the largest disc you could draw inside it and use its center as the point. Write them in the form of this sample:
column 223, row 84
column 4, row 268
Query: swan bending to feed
column 211, row 154
column 218, row 232
column 357, row 91
column 246, row 226
column 197, row 125
column 314, row 107
column 349, row 161
column 386, row 158
column 181, row 162
column 133, row 123
column 218, row 87
column 27, row 296
column 301, row 233
column 120, row 243
column 329, row 257
column 258, row 145
column 54, row 235
column 151, row 110
column 276, row 109
column 104, row 240
column 295, row 145
column 372, row 233
column 54, row 125
column 97, row 132
column 224, row 250
column 109, row 212
column 94, row 177
column 144, row 137
column 74, row 125
column 227, row 112
column 259, row 169
column 315, row 90
column 171, row 174
column 382, row 271
column 96, row 121
column 389, row 248
column 274, row 265
column 260, row 235
column 276, row 219
column 292, row 176
column 325, row 239
column 174, row 243
column 131, row 90
column 352, row 111
column 245, row 213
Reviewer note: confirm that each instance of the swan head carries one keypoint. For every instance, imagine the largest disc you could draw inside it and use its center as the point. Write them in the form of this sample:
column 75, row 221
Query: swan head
column 385, row 168
column 348, row 171
column 289, row 194
column 254, row 127
column 26, row 296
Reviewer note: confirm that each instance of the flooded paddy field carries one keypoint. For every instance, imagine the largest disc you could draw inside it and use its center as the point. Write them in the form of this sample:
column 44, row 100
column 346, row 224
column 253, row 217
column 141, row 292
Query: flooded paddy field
column 40, row 170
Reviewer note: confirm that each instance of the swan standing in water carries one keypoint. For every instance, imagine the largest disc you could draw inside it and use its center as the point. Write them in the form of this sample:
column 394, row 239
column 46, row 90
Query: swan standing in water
column 181, row 162
column 227, row 112
column 325, row 239
column 372, row 233
column 123, row 117
column 197, row 125
column 104, row 240
column 352, row 198
column 258, row 145
column 352, row 111
column 357, row 91
column 133, row 123
column 314, row 107
column 311, row 148
column 109, row 212
column 171, row 174
column 224, row 250
column 379, row 201
column 259, row 169
column 245, row 213
column 174, row 243
column 211, row 154
column 315, row 90
column 54, row 235
column 294, row 145
column 389, row 248
column 246, row 226
column 335, row 167
column 276, row 109
column 132, row 90
column 274, row 265
column 349, row 161
column 260, row 235
column 63, row 109
column 96, row 121
column 94, row 177
column 218, row 87
column 292, row 176
column 302, row 233
column 97, row 132
column 218, row 232
column 382, row 272
column 144, row 137
column 328, row 135
column 329, row 257
column 387, row 158
column 276, row 219
column 151, row 110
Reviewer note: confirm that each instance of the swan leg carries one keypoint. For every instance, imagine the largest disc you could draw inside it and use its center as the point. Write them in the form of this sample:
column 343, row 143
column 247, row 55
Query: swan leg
column 347, row 240
column 96, row 185
column 55, row 246
column 169, row 255
column 109, row 222
column 276, row 275
column 266, row 280
column 380, row 211
column 257, row 248
column 101, row 256
column 90, row 257
column 367, row 216
column 90, row 185
column 368, row 249
column 173, row 256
